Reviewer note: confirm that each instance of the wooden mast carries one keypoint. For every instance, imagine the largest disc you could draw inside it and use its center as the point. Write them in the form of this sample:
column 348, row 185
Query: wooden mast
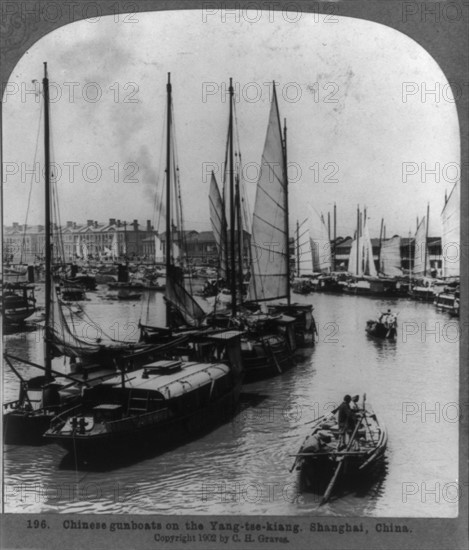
column 297, row 248
column 232, row 210
column 168, row 192
column 358, row 239
column 48, row 243
column 285, row 177
column 240, row 239
column 335, row 237
column 426, row 240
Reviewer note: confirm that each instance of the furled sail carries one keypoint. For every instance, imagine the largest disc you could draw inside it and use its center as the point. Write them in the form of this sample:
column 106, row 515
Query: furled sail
column 421, row 256
column 78, row 247
column 218, row 222
column 176, row 294
column 269, row 247
column 450, row 238
column 390, row 257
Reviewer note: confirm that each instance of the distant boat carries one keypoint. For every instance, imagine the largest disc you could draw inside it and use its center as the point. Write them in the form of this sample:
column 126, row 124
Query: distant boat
column 383, row 327
column 448, row 301
column 18, row 304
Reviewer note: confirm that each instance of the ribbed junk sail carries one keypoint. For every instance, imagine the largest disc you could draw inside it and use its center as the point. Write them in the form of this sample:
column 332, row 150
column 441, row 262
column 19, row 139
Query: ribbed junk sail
column 303, row 247
column 390, row 257
column 320, row 244
column 269, row 247
column 352, row 260
column 368, row 263
column 218, row 222
column 421, row 256
column 450, row 238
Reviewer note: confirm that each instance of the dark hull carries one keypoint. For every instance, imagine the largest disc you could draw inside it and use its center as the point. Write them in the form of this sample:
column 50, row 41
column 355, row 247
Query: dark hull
column 378, row 330
column 24, row 428
column 136, row 438
column 265, row 364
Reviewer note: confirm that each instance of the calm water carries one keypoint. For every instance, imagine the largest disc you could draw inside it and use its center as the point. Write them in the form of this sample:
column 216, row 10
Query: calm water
column 243, row 467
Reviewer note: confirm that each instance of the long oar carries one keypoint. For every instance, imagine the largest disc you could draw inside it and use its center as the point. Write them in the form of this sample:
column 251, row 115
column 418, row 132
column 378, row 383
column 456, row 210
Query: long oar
column 330, row 487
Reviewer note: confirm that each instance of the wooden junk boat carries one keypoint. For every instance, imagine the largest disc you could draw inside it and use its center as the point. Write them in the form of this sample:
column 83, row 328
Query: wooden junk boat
column 42, row 397
column 324, row 456
column 157, row 406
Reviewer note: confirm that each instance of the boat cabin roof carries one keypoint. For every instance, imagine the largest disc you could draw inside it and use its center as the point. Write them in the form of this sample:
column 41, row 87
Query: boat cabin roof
column 171, row 378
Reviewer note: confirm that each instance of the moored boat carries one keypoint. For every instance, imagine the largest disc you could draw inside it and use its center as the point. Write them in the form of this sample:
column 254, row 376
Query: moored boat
column 162, row 404
column 448, row 301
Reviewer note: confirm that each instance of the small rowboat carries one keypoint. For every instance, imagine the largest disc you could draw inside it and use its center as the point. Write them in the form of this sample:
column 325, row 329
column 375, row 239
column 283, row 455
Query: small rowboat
column 324, row 455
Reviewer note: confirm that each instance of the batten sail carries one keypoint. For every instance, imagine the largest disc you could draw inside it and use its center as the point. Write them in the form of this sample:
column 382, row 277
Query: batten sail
column 320, row 244
column 269, row 247
column 390, row 257
column 421, row 256
column 450, row 238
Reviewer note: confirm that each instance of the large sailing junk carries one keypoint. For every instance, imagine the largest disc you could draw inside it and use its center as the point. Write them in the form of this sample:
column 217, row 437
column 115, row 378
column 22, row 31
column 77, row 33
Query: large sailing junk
column 270, row 265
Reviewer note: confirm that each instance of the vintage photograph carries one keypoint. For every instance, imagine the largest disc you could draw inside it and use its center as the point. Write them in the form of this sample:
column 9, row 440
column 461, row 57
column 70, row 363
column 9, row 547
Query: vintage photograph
column 231, row 272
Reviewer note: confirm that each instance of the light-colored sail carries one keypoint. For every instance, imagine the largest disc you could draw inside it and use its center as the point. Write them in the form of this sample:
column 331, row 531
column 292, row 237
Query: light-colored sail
column 158, row 249
column 352, row 261
column 421, row 256
column 303, row 250
column 269, row 247
column 218, row 222
column 368, row 263
column 320, row 244
column 85, row 251
column 450, row 237
column 390, row 257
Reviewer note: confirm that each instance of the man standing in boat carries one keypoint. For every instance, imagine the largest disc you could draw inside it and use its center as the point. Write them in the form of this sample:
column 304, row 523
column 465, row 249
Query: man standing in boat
column 346, row 419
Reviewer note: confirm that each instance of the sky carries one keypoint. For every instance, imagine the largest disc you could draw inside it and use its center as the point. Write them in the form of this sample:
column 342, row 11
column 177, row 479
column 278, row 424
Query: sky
column 363, row 125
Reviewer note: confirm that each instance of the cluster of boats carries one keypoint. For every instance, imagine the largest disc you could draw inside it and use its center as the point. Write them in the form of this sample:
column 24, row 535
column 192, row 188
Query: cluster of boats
column 178, row 381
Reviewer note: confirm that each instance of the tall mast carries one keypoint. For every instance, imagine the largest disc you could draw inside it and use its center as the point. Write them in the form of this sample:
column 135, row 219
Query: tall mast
column 232, row 209
column 426, row 240
column 297, row 248
column 168, row 191
column 335, row 236
column 285, row 177
column 48, row 243
column 239, row 242
column 358, row 239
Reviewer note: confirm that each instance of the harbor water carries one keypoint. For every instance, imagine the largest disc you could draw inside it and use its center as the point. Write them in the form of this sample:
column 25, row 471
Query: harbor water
column 243, row 467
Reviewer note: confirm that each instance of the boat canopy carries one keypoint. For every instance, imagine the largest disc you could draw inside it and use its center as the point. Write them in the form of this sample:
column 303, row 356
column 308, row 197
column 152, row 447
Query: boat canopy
column 186, row 378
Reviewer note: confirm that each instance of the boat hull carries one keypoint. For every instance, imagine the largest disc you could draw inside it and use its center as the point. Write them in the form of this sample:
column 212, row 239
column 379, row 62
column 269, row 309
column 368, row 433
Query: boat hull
column 140, row 436
column 379, row 330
